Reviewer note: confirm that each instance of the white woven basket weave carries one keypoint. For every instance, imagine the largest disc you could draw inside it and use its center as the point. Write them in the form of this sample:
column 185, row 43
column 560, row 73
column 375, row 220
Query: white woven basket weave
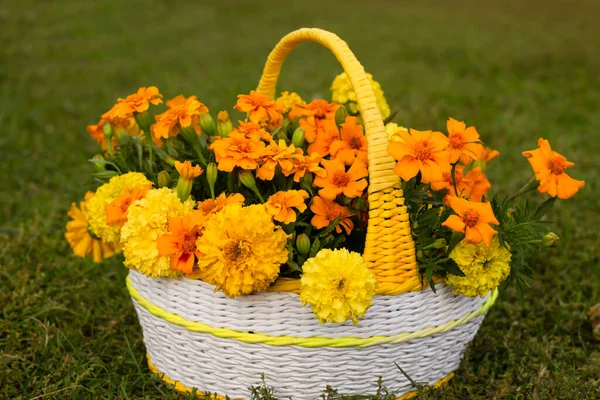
column 425, row 333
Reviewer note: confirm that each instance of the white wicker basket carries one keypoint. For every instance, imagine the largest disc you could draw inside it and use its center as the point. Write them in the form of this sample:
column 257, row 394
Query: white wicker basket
column 207, row 341
column 197, row 338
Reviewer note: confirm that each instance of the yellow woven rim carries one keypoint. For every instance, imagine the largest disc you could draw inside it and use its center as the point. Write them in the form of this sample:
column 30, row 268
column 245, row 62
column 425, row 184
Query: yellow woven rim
column 180, row 387
column 389, row 248
column 310, row 342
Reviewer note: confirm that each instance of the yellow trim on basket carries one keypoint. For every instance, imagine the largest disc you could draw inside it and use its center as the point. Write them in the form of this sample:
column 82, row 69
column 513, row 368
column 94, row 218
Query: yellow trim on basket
column 292, row 285
column 310, row 342
column 181, row 388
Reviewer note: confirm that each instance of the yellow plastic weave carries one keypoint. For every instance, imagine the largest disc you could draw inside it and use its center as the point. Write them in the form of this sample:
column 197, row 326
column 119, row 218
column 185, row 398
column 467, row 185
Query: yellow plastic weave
column 181, row 388
column 389, row 248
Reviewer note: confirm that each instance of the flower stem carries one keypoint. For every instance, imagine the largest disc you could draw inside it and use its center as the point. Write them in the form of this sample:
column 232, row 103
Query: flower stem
column 453, row 173
column 529, row 186
column 144, row 121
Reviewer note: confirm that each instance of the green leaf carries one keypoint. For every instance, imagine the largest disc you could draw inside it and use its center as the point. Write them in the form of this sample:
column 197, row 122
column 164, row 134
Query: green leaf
column 314, row 249
column 454, row 269
column 330, row 227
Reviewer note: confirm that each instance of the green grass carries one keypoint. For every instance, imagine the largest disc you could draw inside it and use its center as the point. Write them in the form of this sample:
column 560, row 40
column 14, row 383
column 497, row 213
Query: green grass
column 516, row 70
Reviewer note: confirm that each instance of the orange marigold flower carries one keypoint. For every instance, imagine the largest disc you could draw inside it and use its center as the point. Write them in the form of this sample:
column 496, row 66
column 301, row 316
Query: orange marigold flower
column 210, row 206
column 463, row 142
column 351, row 183
column 315, row 114
column 276, row 154
column 473, row 219
column 281, row 205
column 477, row 184
column 303, row 164
column 127, row 125
column 326, row 211
column 253, row 131
column 353, row 144
column 486, row 154
column 135, row 103
column 181, row 113
column 549, row 167
column 423, row 151
column 116, row 211
column 187, row 171
column 260, row 108
column 237, row 151
column 327, row 135
column 180, row 243
column 446, row 183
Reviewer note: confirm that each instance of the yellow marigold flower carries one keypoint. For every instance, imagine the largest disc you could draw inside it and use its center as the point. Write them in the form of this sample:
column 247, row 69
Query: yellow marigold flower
column 342, row 92
column 148, row 219
column 105, row 195
column 244, row 250
column 484, row 268
column 281, row 205
column 393, row 131
column 187, row 171
column 181, row 113
column 337, row 285
column 79, row 238
column 288, row 100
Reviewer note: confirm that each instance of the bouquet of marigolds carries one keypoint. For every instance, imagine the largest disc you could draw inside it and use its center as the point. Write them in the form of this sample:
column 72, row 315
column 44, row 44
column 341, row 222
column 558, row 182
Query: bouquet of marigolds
column 282, row 195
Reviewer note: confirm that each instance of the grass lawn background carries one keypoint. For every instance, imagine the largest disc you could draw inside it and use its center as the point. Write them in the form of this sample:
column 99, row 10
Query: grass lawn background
column 516, row 70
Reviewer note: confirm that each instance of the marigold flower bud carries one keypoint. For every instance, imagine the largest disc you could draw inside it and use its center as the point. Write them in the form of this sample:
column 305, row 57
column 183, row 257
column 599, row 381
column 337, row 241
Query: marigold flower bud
column 98, row 166
column 187, row 171
column 164, row 179
column 247, row 179
column 207, row 123
column 303, row 244
column 211, row 176
column 187, row 174
column 439, row 243
column 298, row 137
column 108, row 130
column 340, row 115
column 550, row 239
column 224, row 124
column 511, row 212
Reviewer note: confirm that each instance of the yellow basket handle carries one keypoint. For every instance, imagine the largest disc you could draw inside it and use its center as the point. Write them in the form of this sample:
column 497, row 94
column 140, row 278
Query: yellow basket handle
column 389, row 248
column 381, row 165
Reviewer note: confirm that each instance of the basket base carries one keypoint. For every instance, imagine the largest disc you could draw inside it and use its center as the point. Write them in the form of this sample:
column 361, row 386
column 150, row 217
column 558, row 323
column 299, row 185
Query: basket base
column 184, row 389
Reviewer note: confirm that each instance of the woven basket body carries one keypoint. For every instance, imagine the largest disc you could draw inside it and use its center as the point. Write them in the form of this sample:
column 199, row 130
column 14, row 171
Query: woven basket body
column 423, row 332
column 199, row 339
